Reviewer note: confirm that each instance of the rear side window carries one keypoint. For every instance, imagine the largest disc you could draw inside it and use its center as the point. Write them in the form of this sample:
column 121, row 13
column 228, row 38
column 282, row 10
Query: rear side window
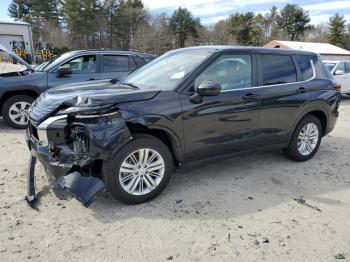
column 305, row 67
column 277, row 69
column 133, row 65
column 115, row 63
column 321, row 71
column 347, row 67
column 139, row 61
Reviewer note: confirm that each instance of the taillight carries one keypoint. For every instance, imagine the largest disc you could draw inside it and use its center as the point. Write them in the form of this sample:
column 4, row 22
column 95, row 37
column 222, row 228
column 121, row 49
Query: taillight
column 336, row 87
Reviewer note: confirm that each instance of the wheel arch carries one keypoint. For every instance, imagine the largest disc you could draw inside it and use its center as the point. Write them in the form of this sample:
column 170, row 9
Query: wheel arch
column 10, row 94
column 168, row 137
column 319, row 113
column 322, row 117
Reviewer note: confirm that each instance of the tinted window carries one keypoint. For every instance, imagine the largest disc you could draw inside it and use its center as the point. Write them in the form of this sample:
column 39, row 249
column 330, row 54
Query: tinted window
column 81, row 64
column 139, row 61
column 330, row 66
column 277, row 69
column 133, row 65
column 321, row 71
column 305, row 66
column 230, row 71
column 347, row 67
column 341, row 66
column 115, row 63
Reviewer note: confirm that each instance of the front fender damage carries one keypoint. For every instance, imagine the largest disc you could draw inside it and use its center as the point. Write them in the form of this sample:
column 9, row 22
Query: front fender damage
column 70, row 169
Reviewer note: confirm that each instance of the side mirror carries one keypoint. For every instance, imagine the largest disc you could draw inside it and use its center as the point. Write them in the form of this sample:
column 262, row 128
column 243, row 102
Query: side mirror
column 339, row 72
column 115, row 80
column 61, row 72
column 205, row 88
column 208, row 88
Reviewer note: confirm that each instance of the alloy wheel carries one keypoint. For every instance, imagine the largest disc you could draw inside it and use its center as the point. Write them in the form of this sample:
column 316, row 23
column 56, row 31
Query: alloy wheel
column 18, row 113
column 141, row 171
column 308, row 139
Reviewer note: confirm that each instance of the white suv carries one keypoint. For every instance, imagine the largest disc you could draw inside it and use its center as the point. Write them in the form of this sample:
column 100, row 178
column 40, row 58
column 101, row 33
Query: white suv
column 340, row 69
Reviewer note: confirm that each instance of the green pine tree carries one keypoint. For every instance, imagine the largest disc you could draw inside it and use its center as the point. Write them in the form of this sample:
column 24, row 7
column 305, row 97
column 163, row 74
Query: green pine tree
column 336, row 34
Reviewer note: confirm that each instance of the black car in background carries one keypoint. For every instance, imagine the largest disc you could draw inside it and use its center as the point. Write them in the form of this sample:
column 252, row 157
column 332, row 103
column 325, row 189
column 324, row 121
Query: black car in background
column 187, row 106
column 20, row 84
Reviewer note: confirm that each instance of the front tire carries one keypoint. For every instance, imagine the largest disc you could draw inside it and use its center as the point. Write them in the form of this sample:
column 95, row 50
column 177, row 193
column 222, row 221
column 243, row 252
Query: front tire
column 306, row 139
column 15, row 111
column 139, row 171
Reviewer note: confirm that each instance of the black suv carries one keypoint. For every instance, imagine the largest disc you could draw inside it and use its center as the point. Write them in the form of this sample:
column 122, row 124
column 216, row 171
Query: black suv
column 20, row 84
column 186, row 106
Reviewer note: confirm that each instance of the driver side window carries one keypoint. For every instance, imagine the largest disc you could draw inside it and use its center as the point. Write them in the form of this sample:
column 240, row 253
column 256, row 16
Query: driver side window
column 230, row 71
column 81, row 64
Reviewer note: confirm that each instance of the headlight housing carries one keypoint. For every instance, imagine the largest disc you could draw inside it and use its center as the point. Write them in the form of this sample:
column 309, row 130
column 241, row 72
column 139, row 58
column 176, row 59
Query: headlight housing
column 89, row 111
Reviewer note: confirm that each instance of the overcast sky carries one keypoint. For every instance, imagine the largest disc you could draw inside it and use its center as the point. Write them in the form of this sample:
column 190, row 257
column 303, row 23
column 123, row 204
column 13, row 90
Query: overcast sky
column 211, row 11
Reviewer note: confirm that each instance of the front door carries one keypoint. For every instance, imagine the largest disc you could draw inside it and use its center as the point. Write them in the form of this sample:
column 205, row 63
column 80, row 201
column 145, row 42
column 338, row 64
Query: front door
column 84, row 68
column 225, row 123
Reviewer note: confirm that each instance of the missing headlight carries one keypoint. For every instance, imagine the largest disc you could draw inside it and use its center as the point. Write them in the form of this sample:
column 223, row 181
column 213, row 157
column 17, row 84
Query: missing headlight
column 78, row 140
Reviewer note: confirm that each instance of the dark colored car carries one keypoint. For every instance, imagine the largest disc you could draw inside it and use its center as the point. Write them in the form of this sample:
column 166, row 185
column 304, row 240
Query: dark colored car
column 20, row 84
column 187, row 106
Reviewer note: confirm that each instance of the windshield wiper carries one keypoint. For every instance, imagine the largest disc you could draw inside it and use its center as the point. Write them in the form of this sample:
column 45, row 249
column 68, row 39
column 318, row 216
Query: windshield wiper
column 130, row 84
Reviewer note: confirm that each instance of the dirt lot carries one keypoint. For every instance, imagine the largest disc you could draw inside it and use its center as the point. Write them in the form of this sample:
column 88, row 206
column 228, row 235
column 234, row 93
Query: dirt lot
column 241, row 209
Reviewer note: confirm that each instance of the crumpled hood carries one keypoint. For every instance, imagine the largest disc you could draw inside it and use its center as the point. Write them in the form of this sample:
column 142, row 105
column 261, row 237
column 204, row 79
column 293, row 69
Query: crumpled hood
column 98, row 93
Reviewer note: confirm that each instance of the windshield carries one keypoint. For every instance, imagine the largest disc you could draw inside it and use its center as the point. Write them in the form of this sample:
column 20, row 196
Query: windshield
column 168, row 70
column 330, row 66
column 47, row 66
column 41, row 67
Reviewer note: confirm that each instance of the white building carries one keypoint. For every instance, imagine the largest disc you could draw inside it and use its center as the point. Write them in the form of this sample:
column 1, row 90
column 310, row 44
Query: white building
column 327, row 51
column 17, row 31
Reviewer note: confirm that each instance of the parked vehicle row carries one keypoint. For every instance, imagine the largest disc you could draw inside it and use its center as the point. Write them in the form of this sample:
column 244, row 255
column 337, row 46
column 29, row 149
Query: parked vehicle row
column 340, row 69
column 21, row 84
column 184, row 107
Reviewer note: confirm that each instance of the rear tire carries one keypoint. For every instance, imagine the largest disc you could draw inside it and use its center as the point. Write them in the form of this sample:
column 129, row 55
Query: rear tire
column 139, row 171
column 15, row 111
column 306, row 139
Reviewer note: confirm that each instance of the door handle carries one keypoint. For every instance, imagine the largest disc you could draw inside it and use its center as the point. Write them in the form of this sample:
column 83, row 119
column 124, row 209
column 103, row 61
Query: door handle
column 91, row 79
column 301, row 90
column 251, row 96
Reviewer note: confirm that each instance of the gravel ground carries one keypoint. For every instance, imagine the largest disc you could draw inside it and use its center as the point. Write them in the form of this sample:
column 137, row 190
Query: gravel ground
column 240, row 209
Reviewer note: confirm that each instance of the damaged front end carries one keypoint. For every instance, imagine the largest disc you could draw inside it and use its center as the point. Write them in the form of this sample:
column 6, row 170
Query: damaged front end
column 72, row 145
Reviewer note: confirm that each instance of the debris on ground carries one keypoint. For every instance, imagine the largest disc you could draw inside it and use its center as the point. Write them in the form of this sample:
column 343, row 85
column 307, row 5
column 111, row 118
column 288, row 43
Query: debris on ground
column 339, row 256
column 302, row 201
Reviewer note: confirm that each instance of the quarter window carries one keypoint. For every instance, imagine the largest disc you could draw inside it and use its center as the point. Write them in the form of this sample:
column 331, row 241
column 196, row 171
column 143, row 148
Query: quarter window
column 230, row 71
column 139, row 61
column 347, row 67
column 115, row 63
column 277, row 69
column 81, row 64
column 305, row 67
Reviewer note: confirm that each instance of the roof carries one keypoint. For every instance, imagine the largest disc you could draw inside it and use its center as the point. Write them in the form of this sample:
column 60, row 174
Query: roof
column 106, row 51
column 321, row 48
column 251, row 49
column 14, row 23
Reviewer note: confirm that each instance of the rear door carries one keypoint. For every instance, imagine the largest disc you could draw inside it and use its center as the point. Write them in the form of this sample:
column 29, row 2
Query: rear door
column 283, row 82
column 116, row 66
column 83, row 67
